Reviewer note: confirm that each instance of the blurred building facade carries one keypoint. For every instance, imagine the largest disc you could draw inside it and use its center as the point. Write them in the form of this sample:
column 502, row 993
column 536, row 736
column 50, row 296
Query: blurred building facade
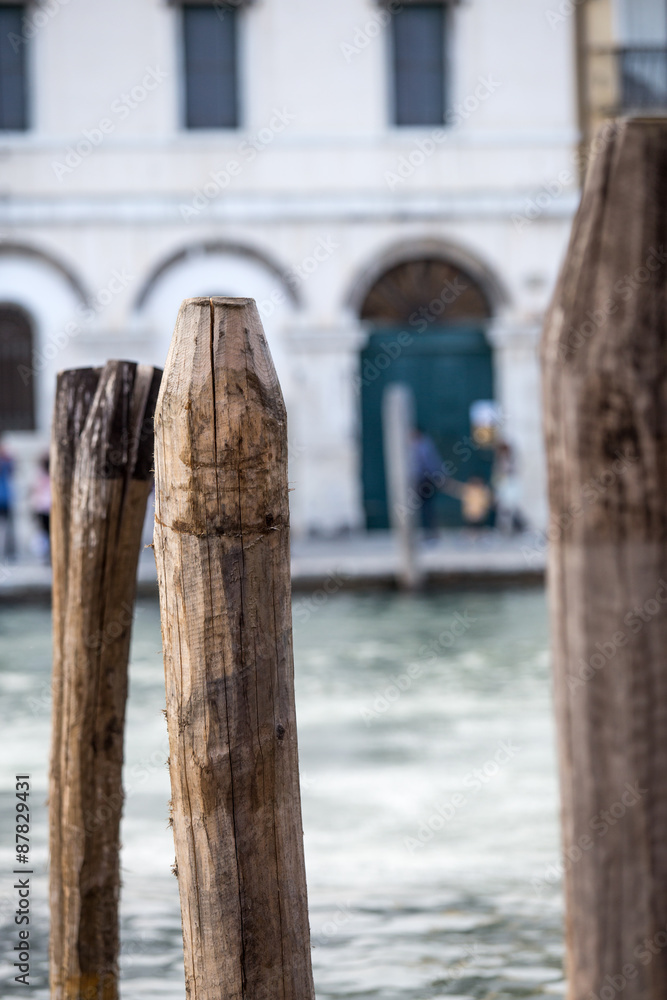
column 622, row 60
column 373, row 174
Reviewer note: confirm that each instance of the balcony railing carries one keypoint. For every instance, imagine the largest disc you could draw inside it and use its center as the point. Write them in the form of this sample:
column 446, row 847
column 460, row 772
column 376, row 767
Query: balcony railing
column 624, row 80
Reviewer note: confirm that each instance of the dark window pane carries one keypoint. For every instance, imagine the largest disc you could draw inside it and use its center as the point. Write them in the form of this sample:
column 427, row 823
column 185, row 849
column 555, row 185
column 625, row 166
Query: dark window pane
column 12, row 68
column 210, row 67
column 643, row 78
column 17, row 410
column 419, row 65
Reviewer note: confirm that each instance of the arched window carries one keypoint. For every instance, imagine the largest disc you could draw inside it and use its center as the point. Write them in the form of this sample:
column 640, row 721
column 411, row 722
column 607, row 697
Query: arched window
column 17, row 395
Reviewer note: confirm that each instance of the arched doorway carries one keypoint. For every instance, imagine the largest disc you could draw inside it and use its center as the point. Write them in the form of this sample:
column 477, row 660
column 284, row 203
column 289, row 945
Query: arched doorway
column 17, row 398
column 429, row 318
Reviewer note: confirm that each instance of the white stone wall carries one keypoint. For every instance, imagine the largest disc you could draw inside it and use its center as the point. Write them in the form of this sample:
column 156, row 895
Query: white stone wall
column 316, row 184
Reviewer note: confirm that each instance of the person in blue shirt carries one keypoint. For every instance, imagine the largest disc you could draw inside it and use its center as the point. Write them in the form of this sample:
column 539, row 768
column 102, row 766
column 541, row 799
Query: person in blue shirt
column 6, row 505
column 427, row 473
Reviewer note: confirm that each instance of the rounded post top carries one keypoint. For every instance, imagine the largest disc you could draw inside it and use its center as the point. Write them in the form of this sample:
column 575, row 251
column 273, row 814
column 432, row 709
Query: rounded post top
column 217, row 300
column 221, row 433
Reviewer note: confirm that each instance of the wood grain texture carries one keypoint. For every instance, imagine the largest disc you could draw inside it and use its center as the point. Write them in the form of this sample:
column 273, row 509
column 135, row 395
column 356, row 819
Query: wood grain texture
column 75, row 390
column 605, row 381
column 223, row 559
column 102, row 454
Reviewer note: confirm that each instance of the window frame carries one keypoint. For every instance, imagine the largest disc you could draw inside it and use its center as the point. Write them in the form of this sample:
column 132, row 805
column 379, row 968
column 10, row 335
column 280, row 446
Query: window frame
column 392, row 89
column 25, row 53
column 237, row 8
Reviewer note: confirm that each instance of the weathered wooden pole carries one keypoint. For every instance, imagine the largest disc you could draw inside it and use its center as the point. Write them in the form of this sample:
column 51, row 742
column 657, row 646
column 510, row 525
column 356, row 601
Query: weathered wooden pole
column 398, row 424
column 101, row 486
column 74, row 394
column 605, row 380
column 222, row 553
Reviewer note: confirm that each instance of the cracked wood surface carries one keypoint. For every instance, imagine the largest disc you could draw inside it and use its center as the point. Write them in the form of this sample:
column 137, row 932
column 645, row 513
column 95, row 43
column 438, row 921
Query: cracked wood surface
column 101, row 461
column 222, row 554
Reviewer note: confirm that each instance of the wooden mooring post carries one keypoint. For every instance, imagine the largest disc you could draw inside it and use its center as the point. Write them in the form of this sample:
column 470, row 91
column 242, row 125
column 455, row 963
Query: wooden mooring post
column 605, row 379
column 101, row 462
column 398, row 424
column 223, row 559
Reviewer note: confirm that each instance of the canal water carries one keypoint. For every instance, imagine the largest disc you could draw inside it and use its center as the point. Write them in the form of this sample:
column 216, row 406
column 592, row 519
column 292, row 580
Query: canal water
column 429, row 798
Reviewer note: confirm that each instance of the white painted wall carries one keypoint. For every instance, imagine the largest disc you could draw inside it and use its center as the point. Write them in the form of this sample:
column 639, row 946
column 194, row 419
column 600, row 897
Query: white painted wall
column 320, row 174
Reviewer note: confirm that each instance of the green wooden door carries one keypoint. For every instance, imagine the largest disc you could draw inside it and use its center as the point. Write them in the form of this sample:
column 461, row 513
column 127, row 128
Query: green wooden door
column 448, row 369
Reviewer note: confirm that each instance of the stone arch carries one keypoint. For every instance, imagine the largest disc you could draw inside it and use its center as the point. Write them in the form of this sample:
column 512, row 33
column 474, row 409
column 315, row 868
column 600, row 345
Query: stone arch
column 221, row 269
column 55, row 300
column 407, row 277
column 11, row 249
column 208, row 247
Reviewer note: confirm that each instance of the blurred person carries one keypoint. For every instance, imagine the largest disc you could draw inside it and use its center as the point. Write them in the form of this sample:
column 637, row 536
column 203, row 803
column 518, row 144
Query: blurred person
column 505, row 480
column 40, row 503
column 7, row 543
column 426, row 471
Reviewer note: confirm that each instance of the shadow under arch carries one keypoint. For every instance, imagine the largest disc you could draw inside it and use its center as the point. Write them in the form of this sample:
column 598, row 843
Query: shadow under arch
column 17, row 392
column 206, row 248
column 429, row 249
column 11, row 249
